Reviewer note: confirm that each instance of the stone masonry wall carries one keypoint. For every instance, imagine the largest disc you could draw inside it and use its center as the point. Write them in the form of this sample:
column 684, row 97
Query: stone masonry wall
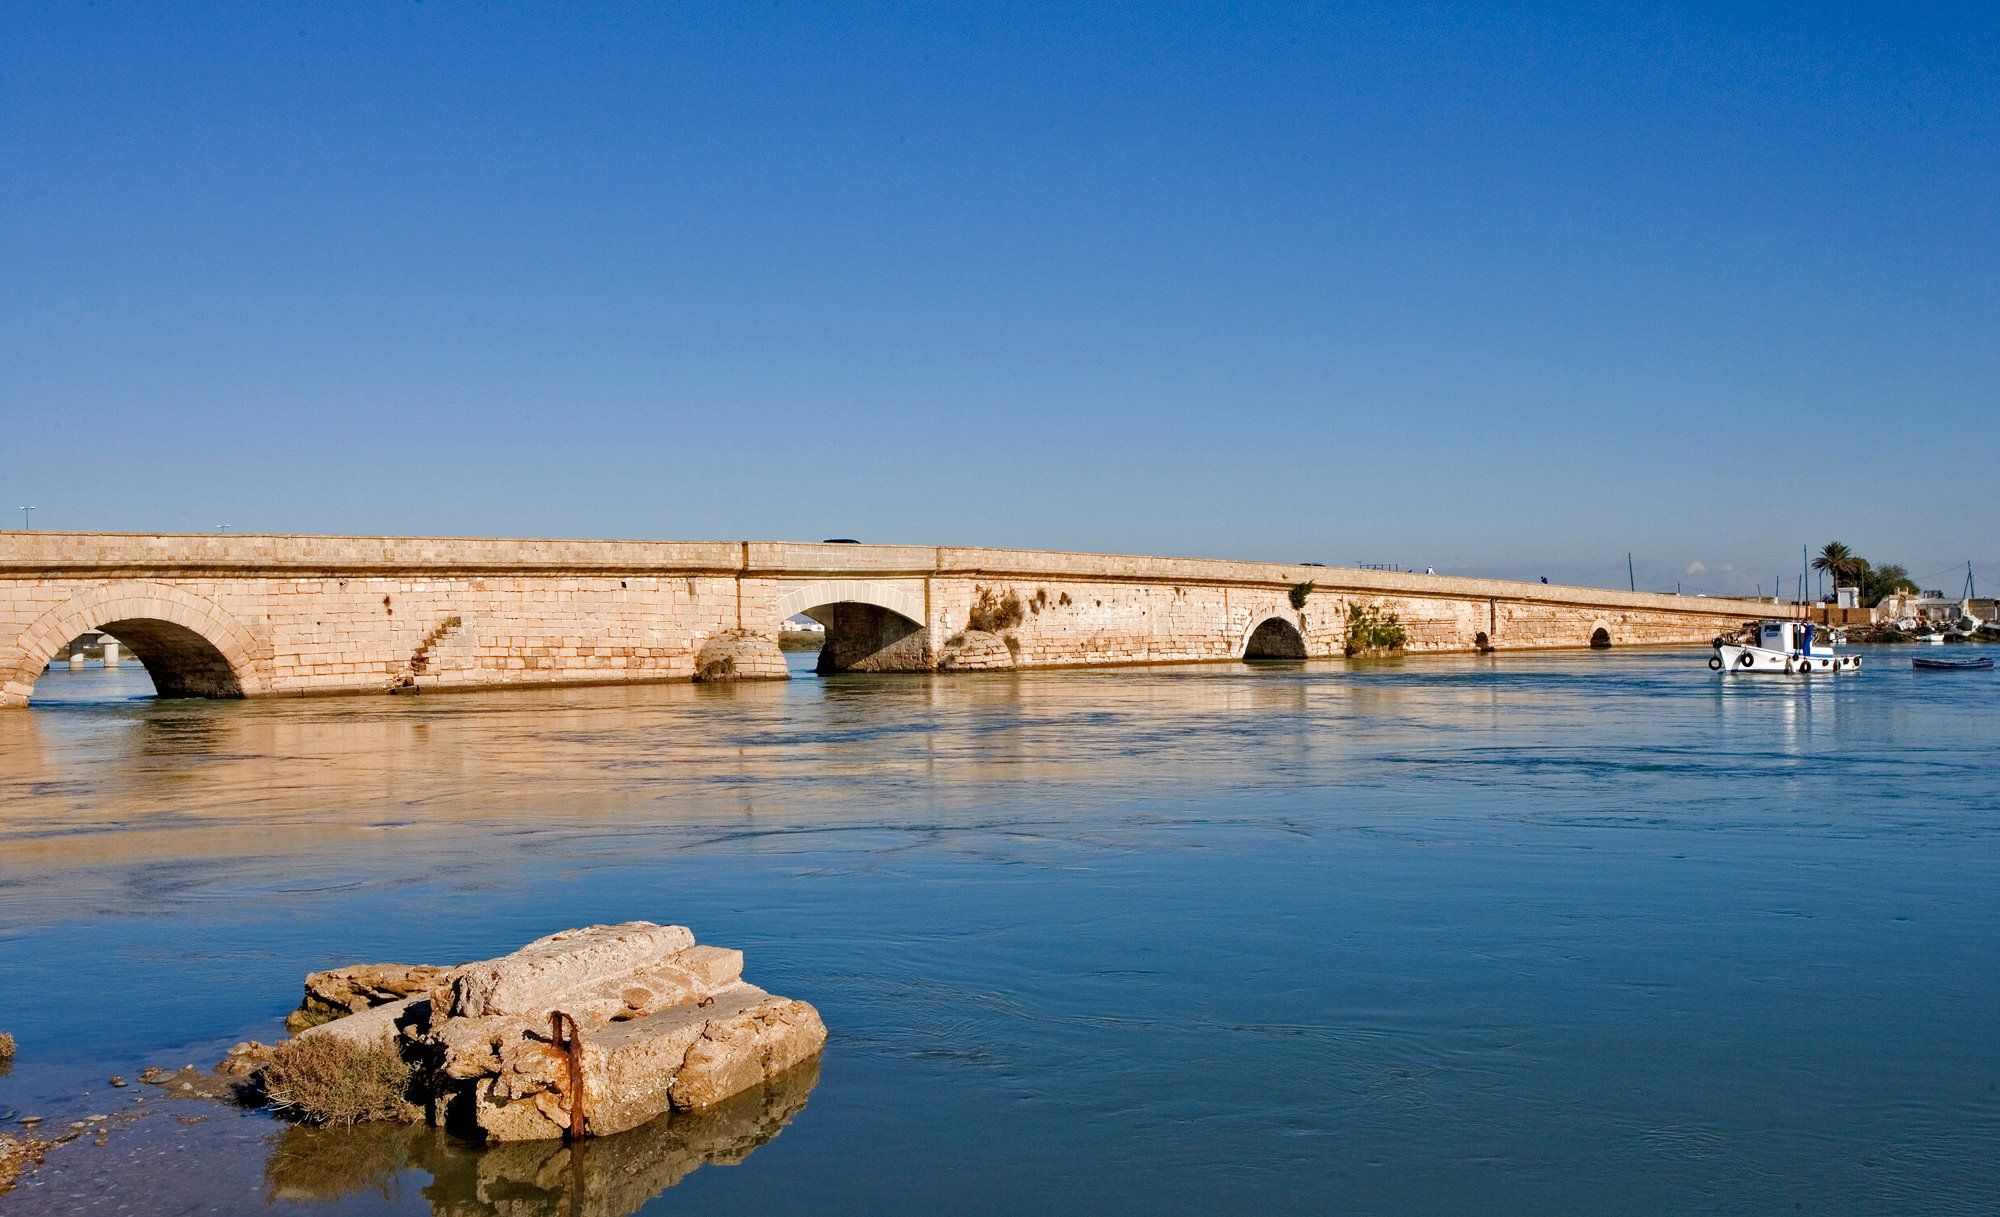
column 340, row 614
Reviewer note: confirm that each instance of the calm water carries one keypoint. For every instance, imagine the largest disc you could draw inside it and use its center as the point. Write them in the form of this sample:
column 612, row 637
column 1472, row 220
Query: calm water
column 1579, row 933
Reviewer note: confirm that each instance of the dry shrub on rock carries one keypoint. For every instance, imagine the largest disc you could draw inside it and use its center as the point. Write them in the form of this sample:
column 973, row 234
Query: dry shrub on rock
column 324, row 1079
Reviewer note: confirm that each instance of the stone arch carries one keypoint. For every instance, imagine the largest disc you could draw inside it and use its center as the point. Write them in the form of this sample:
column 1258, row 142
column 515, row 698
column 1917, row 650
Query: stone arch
column 1600, row 637
column 1274, row 607
column 1274, row 638
column 190, row 646
column 871, row 625
column 801, row 598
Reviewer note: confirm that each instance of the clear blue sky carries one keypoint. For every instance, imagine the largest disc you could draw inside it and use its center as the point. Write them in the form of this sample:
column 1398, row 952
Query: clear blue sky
column 1504, row 288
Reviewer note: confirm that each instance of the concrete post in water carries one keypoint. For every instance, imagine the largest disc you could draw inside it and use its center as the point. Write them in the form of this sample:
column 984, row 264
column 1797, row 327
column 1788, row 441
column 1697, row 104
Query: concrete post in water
column 110, row 652
column 76, row 648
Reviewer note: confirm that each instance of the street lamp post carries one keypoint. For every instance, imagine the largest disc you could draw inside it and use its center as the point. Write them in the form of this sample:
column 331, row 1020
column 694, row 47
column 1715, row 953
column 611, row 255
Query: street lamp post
column 25, row 509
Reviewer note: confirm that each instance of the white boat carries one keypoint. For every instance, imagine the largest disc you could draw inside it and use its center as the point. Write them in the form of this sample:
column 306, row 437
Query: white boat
column 1786, row 648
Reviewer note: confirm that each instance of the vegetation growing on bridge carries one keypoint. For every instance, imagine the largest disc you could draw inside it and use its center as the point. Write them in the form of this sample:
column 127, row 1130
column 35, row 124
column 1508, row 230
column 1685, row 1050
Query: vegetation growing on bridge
column 1371, row 631
column 1299, row 593
column 993, row 614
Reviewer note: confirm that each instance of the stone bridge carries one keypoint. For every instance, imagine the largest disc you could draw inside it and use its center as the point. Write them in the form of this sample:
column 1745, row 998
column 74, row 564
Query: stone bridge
column 246, row 615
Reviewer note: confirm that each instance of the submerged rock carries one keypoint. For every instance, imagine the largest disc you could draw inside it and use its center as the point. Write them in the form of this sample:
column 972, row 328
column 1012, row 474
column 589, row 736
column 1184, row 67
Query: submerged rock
column 17, row 1154
column 229, row 1082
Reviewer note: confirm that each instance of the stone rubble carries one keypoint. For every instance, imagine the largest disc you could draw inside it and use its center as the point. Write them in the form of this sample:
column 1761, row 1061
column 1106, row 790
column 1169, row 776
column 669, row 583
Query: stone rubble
column 657, row 1022
column 339, row 992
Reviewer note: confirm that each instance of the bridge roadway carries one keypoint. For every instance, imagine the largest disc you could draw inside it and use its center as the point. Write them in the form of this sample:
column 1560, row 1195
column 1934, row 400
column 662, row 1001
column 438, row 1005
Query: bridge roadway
column 237, row 615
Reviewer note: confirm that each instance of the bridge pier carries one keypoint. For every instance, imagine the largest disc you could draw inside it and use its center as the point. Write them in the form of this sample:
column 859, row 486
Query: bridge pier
column 868, row 638
column 740, row 655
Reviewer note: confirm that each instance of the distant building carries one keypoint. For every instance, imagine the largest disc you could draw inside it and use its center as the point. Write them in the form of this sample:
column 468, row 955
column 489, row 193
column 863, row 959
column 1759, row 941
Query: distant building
column 1938, row 607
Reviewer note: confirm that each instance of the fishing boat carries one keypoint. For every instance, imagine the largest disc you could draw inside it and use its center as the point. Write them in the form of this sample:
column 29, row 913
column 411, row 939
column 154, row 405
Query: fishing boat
column 1786, row 648
column 1979, row 663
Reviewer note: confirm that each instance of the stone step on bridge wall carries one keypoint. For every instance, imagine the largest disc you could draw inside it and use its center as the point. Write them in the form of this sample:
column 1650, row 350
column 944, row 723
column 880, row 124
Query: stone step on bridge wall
column 251, row 615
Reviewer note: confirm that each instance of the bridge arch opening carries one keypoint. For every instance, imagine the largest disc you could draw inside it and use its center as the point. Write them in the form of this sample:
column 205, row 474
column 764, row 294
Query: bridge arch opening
column 179, row 661
column 1275, row 638
column 188, row 646
column 863, row 637
column 1600, row 639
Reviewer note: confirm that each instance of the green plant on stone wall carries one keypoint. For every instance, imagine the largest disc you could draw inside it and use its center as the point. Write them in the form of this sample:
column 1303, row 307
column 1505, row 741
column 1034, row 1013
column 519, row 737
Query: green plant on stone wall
column 1370, row 630
column 1299, row 593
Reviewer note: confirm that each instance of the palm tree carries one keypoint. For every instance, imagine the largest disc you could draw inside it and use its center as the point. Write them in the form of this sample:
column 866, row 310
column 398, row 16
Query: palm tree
column 1840, row 562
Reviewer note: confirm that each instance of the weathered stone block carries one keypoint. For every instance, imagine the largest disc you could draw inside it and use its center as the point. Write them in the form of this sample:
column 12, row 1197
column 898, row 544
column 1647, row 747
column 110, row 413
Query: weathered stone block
column 739, row 655
column 377, row 1025
column 976, row 651
column 342, row 991
column 531, row 979
column 739, row 1048
column 649, row 1021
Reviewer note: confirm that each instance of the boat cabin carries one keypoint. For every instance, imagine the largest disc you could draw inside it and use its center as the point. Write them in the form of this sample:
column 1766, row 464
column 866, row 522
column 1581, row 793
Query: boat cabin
column 1789, row 636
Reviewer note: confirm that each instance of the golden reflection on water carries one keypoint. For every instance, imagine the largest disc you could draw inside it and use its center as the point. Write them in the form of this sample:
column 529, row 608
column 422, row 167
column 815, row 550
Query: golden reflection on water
column 137, row 780
column 131, row 781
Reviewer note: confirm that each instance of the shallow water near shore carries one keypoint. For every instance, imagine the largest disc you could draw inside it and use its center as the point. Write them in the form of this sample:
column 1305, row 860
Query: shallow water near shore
column 1586, row 932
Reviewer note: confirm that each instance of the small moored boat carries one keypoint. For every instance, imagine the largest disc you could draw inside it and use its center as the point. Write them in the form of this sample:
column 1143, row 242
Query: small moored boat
column 1785, row 648
column 1979, row 663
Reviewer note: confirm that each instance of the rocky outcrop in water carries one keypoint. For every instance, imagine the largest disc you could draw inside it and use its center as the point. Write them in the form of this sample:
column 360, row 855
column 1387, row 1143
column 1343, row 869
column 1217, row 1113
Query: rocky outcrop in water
column 583, row 1033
